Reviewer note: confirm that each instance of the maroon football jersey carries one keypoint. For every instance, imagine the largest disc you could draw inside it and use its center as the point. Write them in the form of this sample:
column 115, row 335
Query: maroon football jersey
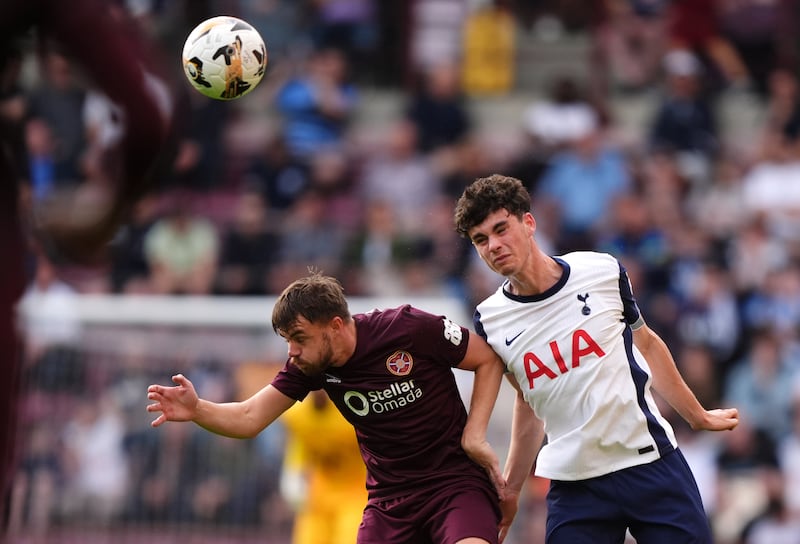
column 399, row 392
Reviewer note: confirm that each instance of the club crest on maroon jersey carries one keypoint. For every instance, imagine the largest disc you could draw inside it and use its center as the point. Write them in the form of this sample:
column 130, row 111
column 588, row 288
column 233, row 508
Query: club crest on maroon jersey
column 399, row 363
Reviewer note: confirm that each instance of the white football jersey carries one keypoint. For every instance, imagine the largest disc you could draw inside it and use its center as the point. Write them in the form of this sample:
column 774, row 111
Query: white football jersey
column 571, row 351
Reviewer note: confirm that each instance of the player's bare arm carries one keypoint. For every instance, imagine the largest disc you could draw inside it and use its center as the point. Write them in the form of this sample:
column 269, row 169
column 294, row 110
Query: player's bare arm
column 526, row 429
column 668, row 382
column 243, row 419
column 481, row 359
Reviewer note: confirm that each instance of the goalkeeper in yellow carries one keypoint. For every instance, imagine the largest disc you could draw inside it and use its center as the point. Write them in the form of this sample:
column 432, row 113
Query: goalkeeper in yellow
column 323, row 473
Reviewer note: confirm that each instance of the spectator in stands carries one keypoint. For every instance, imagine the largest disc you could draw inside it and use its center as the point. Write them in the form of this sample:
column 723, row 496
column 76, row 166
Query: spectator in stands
column 488, row 59
column 317, row 104
column 760, row 32
column 632, row 236
column 664, row 188
column 437, row 108
column 434, row 32
column 470, row 159
column 130, row 269
column 775, row 524
column 782, row 115
column 684, row 122
column 771, row 186
column 308, row 237
column 188, row 477
column 449, row 255
column 249, row 249
column 776, row 304
column 351, row 27
column 582, row 181
column 181, row 250
column 372, row 252
column 49, row 316
column 281, row 177
column 709, row 311
column 762, row 385
column 548, row 124
column 161, row 469
column 223, row 485
column 58, row 102
column 36, row 484
column 747, row 464
column 280, row 20
column 41, row 163
column 753, row 256
column 223, row 480
column 400, row 174
column 333, row 176
column 199, row 160
column 628, row 42
column 97, row 477
column 383, row 260
column 560, row 117
column 693, row 25
column 718, row 207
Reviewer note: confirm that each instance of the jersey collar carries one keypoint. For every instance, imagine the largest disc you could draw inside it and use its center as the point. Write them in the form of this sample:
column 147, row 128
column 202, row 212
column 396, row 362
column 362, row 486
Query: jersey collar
column 544, row 294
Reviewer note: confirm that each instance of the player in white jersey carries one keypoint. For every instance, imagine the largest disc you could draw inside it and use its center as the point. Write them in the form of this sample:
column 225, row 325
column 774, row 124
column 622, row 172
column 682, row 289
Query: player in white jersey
column 583, row 361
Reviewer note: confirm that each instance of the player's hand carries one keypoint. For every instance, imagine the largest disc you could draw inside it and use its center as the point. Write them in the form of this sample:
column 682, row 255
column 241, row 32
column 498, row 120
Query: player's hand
column 175, row 403
column 508, row 508
column 721, row 419
column 482, row 453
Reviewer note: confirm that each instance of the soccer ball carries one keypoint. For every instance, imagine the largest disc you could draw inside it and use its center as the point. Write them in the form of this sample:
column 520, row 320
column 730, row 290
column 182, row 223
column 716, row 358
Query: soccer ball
column 224, row 58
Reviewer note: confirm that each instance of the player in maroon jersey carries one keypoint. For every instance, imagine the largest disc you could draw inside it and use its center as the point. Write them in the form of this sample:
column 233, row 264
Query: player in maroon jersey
column 389, row 372
column 94, row 34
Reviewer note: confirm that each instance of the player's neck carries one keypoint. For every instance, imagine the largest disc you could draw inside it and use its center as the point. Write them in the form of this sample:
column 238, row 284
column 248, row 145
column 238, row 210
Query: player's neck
column 541, row 274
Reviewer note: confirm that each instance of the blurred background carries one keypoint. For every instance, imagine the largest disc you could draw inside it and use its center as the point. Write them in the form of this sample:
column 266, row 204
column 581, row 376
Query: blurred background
column 666, row 132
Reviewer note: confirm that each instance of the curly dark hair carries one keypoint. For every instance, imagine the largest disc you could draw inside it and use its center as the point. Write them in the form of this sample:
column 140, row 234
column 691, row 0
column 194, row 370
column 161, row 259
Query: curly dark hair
column 317, row 297
column 487, row 195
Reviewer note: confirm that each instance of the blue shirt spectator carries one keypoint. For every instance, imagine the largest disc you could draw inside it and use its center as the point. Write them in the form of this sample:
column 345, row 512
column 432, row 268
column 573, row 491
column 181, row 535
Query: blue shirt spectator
column 317, row 106
column 582, row 182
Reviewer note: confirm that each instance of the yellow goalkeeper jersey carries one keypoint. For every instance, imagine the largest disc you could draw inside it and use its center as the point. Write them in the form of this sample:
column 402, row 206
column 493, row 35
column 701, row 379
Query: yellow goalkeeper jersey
column 323, row 459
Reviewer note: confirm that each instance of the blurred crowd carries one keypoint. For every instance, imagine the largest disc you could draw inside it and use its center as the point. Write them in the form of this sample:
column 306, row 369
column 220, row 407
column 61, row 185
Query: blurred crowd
column 707, row 223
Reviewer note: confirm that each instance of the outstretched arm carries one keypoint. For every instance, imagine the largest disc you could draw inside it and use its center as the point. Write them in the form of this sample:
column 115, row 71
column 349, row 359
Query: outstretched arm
column 527, row 434
column 243, row 419
column 488, row 368
column 668, row 382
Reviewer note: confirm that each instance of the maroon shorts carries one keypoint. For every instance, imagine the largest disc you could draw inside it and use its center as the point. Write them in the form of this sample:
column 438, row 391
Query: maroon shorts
column 443, row 516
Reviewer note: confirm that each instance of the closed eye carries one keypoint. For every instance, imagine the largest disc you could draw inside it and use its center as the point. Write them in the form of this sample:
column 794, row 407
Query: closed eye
column 479, row 240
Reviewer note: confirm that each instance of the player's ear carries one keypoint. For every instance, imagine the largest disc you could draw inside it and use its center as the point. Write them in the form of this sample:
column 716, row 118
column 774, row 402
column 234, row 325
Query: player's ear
column 336, row 324
column 529, row 221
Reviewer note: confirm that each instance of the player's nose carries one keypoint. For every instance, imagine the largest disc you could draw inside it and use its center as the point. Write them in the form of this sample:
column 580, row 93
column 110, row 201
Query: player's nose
column 493, row 243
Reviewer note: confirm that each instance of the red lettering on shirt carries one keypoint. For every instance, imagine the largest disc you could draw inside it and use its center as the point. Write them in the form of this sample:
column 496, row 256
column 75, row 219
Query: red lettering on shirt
column 582, row 345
